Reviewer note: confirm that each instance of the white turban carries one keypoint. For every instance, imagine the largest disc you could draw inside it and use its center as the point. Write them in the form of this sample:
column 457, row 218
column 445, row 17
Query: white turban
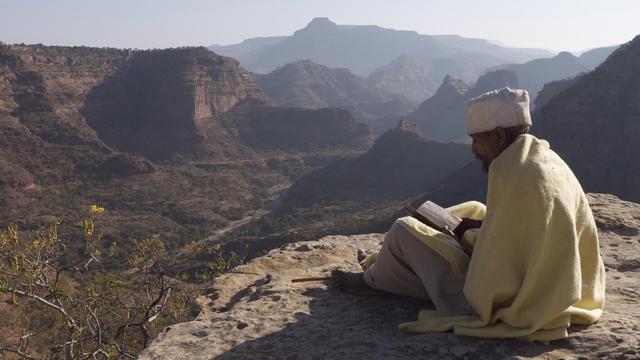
column 498, row 108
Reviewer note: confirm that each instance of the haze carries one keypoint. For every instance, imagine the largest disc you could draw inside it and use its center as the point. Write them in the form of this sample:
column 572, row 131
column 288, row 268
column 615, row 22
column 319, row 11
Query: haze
column 567, row 25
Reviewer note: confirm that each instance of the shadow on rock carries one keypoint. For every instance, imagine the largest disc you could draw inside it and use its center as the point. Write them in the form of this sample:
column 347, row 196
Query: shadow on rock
column 342, row 326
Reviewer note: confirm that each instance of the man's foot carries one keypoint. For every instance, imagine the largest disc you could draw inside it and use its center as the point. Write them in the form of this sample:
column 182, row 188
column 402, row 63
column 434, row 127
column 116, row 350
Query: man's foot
column 352, row 283
column 361, row 255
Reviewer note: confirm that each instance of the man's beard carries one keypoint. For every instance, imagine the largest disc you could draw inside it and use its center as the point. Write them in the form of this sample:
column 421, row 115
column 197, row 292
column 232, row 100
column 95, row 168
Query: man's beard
column 485, row 162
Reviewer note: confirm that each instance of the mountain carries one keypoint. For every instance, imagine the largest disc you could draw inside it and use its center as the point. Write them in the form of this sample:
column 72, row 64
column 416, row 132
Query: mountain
column 443, row 116
column 312, row 86
column 161, row 103
column 485, row 46
column 266, row 128
column 534, row 74
column 594, row 125
column 246, row 46
column 355, row 194
column 440, row 115
column 597, row 56
column 401, row 164
column 553, row 88
column 364, row 48
column 418, row 78
column 178, row 141
column 308, row 85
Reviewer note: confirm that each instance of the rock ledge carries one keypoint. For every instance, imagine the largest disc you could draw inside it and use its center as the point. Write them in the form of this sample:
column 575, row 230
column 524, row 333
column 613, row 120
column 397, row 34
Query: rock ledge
column 259, row 313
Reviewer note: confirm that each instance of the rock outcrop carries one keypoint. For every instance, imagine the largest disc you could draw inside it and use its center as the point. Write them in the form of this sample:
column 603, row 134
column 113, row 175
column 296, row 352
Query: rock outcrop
column 256, row 312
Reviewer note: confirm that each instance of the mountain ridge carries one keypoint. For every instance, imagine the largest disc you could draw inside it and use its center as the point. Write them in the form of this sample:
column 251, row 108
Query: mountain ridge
column 363, row 48
column 308, row 85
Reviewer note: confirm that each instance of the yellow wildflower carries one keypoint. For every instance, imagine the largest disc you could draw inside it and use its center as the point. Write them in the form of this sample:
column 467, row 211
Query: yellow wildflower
column 95, row 209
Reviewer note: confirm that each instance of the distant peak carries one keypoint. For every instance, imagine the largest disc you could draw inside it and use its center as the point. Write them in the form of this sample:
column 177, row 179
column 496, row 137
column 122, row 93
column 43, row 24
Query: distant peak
column 405, row 125
column 317, row 21
column 305, row 62
column 565, row 54
column 451, row 83
column 321, row 23
column 303, row 65
column 404, row 133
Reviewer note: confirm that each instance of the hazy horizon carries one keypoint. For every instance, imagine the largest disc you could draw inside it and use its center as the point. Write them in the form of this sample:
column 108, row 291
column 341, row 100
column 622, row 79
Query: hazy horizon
column 568, row 26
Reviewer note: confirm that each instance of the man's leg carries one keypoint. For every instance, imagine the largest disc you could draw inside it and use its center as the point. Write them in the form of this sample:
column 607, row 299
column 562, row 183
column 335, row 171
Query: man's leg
column 406, row 266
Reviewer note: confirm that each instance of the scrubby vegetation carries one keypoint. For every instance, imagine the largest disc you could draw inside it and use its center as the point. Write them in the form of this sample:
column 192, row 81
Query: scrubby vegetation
column 74, row 296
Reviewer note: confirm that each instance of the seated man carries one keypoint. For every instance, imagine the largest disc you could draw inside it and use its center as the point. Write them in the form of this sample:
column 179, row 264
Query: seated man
column 535, row 266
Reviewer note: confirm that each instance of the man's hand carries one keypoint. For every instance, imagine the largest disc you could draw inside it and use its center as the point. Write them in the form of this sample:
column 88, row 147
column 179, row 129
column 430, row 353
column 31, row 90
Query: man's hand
column 465, row 225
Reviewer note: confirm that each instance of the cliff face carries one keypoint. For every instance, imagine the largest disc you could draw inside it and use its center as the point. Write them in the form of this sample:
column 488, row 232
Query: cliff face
column 160, row 103
column 44, row 87
column 42, row 90
column 594, row 124
column 255, row 310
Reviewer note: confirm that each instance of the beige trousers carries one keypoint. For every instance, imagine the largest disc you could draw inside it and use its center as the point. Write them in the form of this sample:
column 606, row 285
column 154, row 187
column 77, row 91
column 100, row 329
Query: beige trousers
column 406, row 266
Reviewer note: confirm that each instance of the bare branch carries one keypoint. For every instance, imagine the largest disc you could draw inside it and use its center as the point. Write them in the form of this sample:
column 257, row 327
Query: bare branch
column 19, row 352
column 44, row 301
column 159, row 311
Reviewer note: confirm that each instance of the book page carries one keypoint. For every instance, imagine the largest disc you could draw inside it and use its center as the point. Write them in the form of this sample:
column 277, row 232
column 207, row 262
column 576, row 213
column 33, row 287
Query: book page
column 438, row 215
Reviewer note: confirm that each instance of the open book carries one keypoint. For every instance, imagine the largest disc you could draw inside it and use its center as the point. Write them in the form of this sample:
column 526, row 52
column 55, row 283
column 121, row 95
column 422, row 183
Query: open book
column 442, row 220
column 435, row 216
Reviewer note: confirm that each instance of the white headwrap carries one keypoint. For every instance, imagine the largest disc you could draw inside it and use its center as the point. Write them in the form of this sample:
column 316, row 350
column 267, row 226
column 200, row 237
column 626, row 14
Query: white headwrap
column 504, row 108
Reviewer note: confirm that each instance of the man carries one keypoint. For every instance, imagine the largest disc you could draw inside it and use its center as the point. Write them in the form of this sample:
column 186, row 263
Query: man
column 535, row 266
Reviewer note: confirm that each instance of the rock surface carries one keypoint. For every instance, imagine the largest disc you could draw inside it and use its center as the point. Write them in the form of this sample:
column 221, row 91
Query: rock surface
column 259, row 313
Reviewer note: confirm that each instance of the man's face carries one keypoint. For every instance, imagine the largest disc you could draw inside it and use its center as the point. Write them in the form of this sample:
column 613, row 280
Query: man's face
column 487, row 146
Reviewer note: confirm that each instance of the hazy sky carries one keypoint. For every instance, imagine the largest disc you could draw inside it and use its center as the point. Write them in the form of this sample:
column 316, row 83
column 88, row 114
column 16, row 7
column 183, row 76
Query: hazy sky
column 551, row 24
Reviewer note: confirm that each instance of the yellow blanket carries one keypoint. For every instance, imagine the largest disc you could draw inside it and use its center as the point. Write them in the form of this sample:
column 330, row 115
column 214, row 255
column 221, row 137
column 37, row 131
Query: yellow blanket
column 536, row 265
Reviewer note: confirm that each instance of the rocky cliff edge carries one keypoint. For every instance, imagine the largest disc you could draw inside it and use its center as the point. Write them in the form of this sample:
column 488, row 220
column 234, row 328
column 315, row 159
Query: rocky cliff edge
column 257, row 313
